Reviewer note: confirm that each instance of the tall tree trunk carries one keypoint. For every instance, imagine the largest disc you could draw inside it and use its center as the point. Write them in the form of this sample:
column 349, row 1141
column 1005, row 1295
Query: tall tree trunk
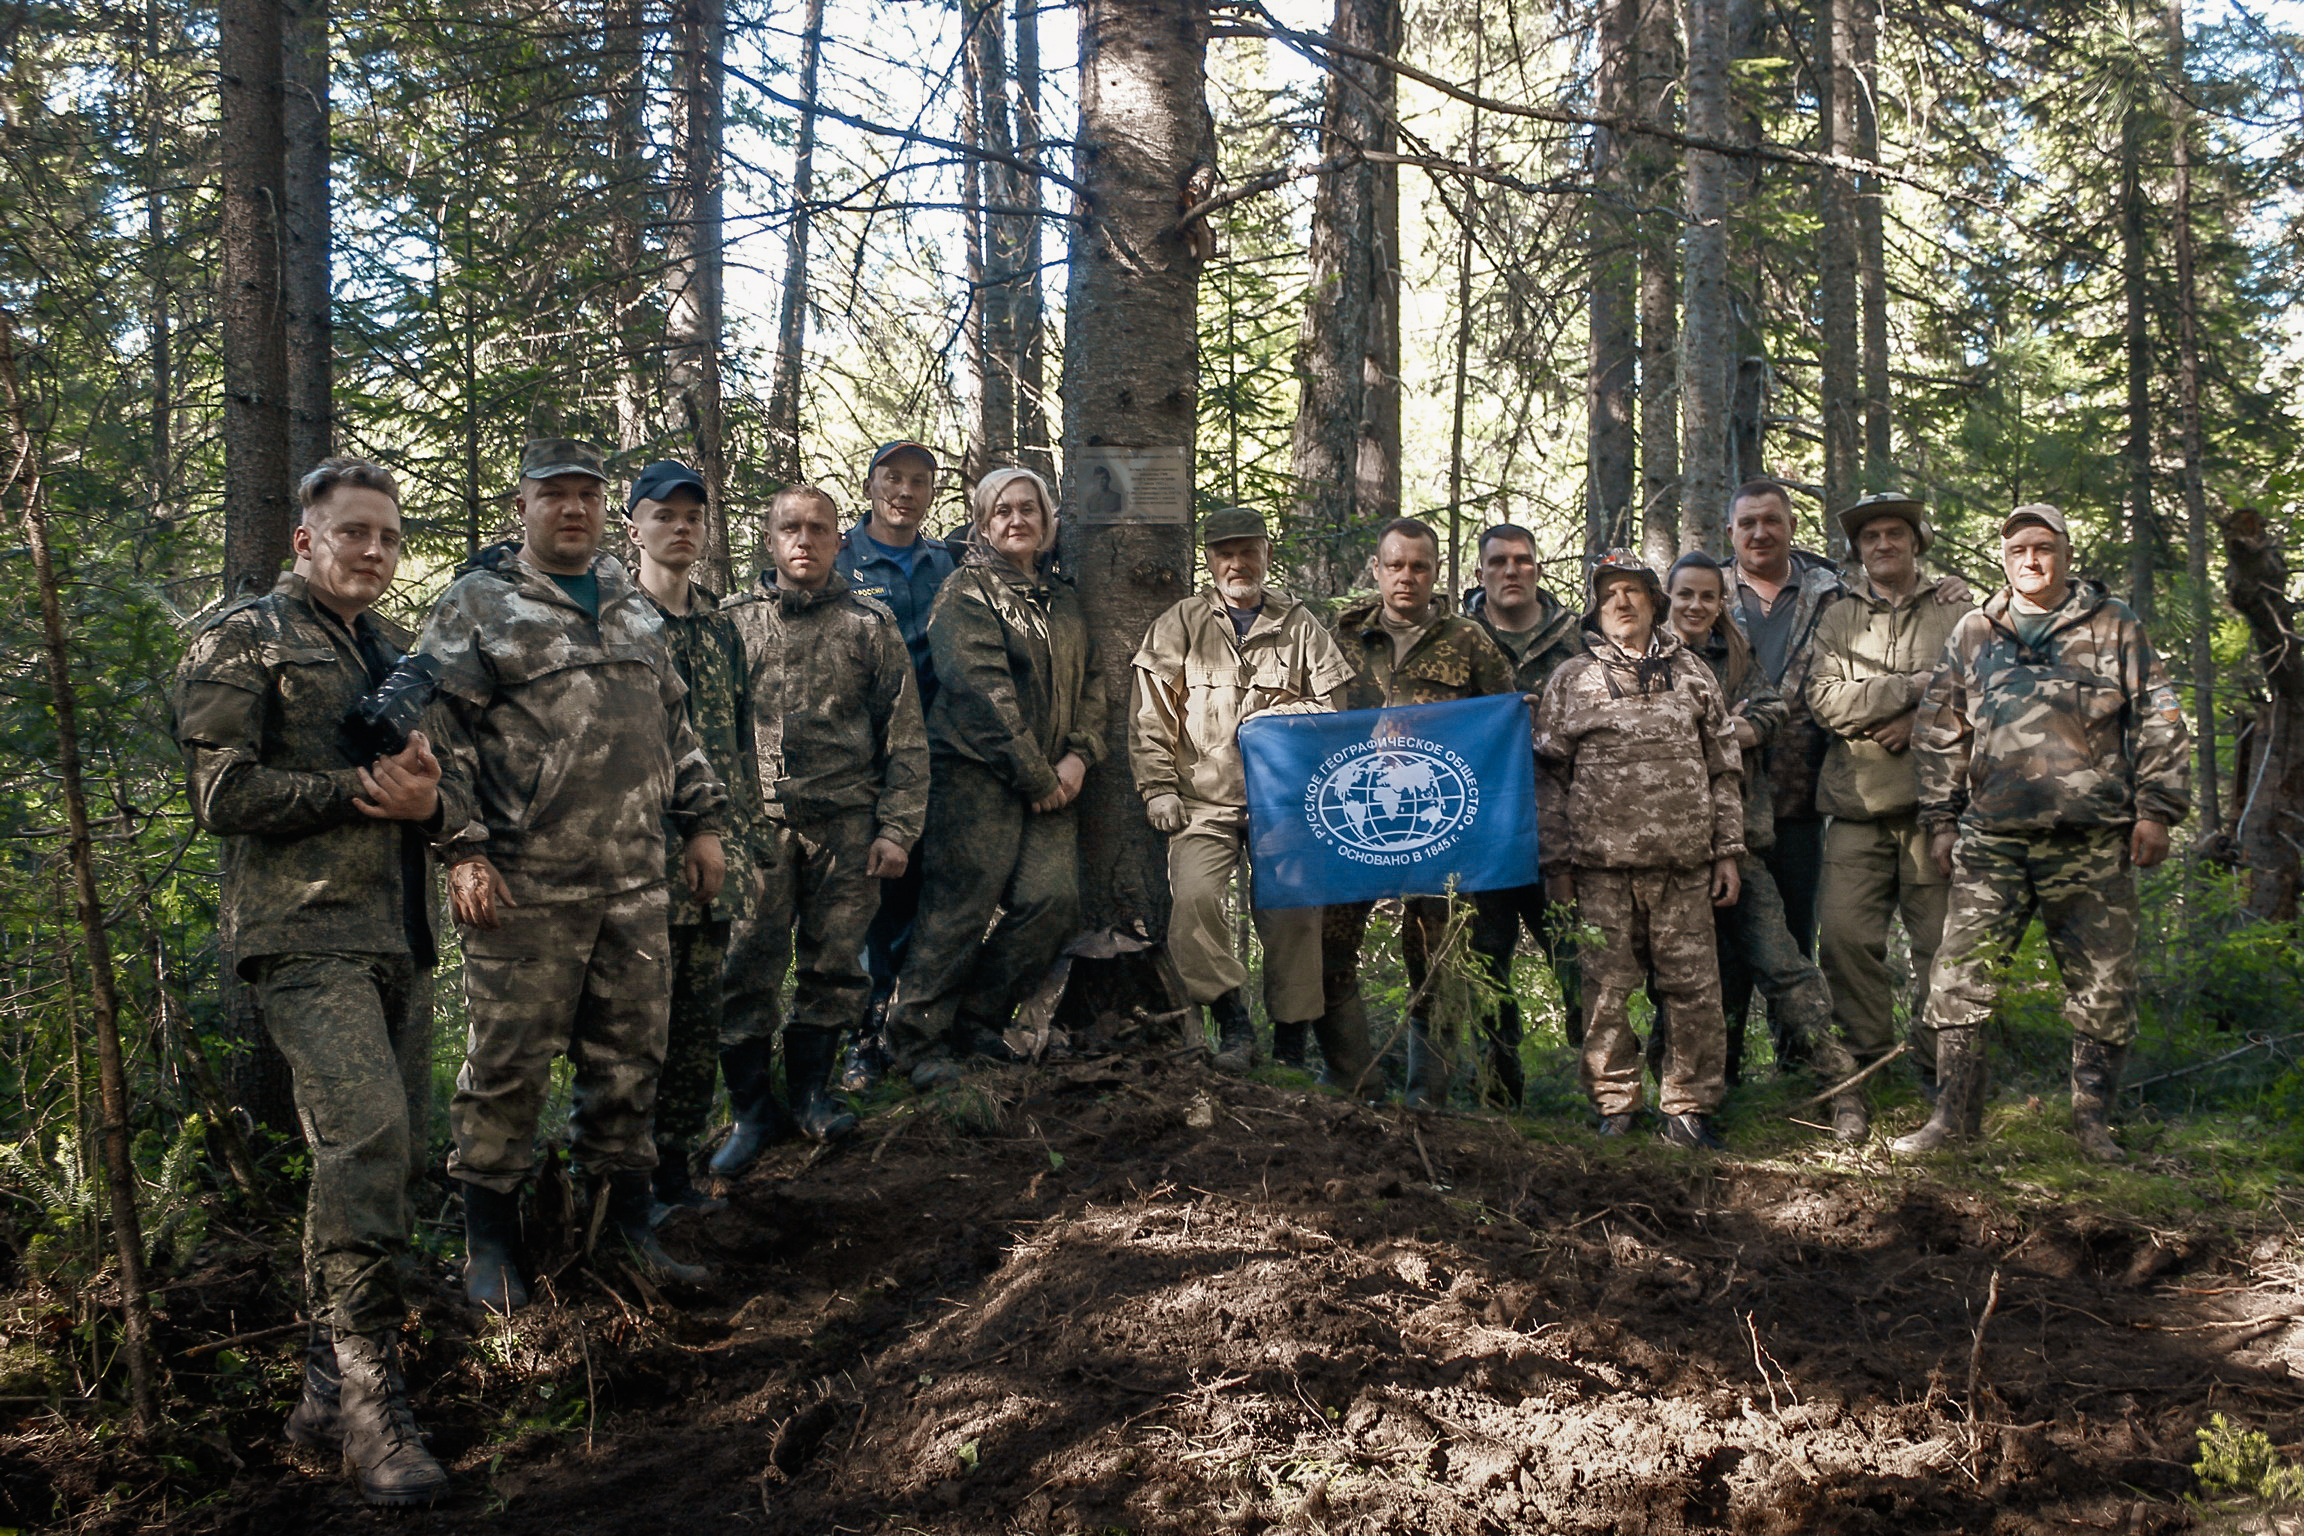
column 252, row 152
column 1705, row 362
column 1131, row 377
column 1839, row 307
column 1613, row 354
column 1871, row 250
column 2271, row 794
column 1748, row 395
column 623, row 61
column 104, row 995
column 1346, row 451
column 306, row 283
column 2143, row 532
column 1465, row 236
column 792, row 307
column 973, row 339
column 996, row 396
column 159, row 319
column 1659, row 83
column 1031, row 333
column 2188, row 420
column 693, row 270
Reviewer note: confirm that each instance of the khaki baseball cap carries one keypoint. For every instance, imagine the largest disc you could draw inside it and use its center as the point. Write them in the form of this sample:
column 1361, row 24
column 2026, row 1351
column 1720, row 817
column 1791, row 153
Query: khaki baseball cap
column 1232, row 523
column 543, row 457
column 2035, row 512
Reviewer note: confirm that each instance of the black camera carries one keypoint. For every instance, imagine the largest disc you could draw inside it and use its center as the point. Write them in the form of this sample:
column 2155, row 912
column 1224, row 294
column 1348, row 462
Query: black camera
column 379, row 724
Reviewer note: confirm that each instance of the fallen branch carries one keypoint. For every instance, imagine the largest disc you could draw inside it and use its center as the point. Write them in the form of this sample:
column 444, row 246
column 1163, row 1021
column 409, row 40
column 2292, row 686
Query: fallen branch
column 1838, row 1089
column 1976, row 1349
column 2259, row 1043
column 258, row 1336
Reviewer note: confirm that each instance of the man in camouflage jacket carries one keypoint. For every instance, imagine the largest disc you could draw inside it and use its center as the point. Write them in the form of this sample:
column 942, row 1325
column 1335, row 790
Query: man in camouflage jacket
column 2052, row 764
column 665, row 515
column 850, row 776
column 1405, row 648
column 567, row 723
column 1641, row 809
column 326, row 909
column 1205, row 665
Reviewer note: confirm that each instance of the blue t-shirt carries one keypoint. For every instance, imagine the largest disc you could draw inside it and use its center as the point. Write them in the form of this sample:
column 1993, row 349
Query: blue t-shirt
column 904, row 555
column 583, row 590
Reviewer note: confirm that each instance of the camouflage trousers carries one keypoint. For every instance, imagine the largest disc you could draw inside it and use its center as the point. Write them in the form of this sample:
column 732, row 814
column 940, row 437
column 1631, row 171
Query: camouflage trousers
column 1755, row 934
column 987, row 852
column 692, row 1036
column 1874, row 873
column 2079, row 881
column 357, row 1032
column 1656, row 929
column 1201, row 862
column 818, row 906
column 588, row 979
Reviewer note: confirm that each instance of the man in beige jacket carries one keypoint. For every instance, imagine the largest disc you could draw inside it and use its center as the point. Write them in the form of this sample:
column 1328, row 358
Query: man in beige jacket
column 1875, row 652
column 1207, row 664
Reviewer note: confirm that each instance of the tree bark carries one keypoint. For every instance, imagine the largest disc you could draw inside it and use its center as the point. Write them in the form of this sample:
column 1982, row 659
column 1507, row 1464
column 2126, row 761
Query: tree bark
column 1131, row 377
column 1653, row 166
column 253, row 157
column 623, row 57
column 2270, row 826
column 1346, row 450
column 1705, row 365
column 1749, row 390
column 693, row 265
column 1468, row 227
column 2203, row 656
column 792, row 307
column 2136, row 453
column 159, row 319
column 1839, row 306
column 1002, row 254
column 1871, row 251
column 1032, row 445
column 306, row 283
column 1613, row 354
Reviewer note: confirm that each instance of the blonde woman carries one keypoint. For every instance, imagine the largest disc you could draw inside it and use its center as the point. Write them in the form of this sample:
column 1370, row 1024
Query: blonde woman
column 1017, row 723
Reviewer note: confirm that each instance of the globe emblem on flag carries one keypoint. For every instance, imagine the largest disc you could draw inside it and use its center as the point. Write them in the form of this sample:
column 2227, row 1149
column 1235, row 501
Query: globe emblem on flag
column 1394, row 798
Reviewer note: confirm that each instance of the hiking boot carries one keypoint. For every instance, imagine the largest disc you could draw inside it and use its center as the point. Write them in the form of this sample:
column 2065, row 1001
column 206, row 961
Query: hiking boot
column 2095, row 1079
column 808, row 1055
column 866, row 1061
column 1958, row 1115
column 1343, row 1035
column 675, row 1189
column 314, row 1424
column 1619, row 1124
column 1690, row 1130
column 630, row 1200
column 1850, row 1124
column 1235, row 1033
column 1290, row 1042
column 491, row 1243
column 383, row 1449
column 1428, row 1069
column 761, row 1121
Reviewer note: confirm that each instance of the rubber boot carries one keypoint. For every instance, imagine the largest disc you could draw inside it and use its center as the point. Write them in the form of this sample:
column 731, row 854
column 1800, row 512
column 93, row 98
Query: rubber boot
column 1428, row 1069
column 630, row 1198
column 866, row 1060
column 675, row 1190
column 1290, row 1039
column 761, row 1121
column 1851, row 1122
column 1343, row 1035
column 1507, row 1084
column 1958, row 1115
column 2096, row 1071
column 315, row 1425
column 1235, row 1033
column 383, row 1450
column 491, row 1245
column 808, row 1056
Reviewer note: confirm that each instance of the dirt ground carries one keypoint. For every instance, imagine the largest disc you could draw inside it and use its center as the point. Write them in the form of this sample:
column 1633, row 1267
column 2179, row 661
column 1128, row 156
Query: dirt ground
column 1132, row 1296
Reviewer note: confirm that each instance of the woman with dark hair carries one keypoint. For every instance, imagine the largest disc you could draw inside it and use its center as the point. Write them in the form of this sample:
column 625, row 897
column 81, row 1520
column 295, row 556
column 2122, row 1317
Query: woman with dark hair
column 1017, row 723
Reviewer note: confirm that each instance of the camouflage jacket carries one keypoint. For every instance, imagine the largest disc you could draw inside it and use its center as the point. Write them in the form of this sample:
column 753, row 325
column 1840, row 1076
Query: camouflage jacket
column 1638, row 770
column 1745, row 689
column 569, row 734
column 1798, row 751
column 835, row 706
column 1017, row 681
column 1862, row 670
column 1454, row 659
column 260, row 703
column 710, row 655
column 2083, row 732
column 1197, row 678
column 1557, row 638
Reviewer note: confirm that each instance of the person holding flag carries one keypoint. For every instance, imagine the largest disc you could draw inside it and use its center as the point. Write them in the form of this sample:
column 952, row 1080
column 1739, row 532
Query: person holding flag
column 1641, row 814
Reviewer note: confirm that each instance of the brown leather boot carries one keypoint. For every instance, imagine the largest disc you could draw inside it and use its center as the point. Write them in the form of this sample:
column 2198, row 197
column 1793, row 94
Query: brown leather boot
column 383, row 1449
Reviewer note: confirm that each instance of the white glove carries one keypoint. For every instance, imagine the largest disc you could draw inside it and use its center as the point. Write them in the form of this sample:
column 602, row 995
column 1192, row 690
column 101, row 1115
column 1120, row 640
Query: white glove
column 1165, row 812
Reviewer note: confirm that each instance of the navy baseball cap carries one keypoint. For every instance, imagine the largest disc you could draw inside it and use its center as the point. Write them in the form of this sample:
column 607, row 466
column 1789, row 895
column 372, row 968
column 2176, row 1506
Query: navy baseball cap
column 660, row 480
column 886, row 451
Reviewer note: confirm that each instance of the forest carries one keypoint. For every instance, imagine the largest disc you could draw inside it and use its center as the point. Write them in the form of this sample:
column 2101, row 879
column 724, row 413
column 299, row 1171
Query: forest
column 1584, row 267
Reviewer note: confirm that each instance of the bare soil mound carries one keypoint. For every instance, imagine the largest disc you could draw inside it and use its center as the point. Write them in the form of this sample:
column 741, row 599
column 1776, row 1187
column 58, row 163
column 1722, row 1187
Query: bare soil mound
column 1132, row 1296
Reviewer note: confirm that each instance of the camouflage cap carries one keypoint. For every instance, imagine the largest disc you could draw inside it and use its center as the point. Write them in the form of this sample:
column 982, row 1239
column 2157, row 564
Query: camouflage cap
column 1623, row 565
column 543, row 457
column 1232, row 523
column 2035, row 512
column 1908, row 509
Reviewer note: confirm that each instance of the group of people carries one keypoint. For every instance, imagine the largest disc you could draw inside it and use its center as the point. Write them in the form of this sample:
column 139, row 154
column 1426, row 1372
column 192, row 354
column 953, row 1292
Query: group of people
column 655, row 803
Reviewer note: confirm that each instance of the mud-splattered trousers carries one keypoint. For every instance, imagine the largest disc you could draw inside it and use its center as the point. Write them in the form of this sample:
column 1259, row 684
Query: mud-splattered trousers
column 818, row 905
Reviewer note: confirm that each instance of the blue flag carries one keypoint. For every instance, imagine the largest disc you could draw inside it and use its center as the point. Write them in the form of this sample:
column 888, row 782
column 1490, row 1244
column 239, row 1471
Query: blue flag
column 1391, row 802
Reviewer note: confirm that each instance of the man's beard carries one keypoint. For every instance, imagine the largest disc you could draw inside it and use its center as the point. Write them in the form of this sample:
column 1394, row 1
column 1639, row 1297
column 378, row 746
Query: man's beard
column 1240, row 591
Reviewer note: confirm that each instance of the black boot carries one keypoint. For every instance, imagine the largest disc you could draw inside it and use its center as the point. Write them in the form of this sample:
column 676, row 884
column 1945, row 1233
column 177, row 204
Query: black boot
column 383, row 1449
column 1959, row 1094
column 808, row 1057
column 1507, row 1085
column 1732, row 1072
column 630, row 1200
column 866, row 1060
column 1428, row 1069
column 1343, row 1035
column 314, row 1425
column 1290, row 1038
column 491, row 1245
column 1690, row 1130
column 2096, row 1071
column 675, row 1190
column 760, row 1118
column 1235, row 1033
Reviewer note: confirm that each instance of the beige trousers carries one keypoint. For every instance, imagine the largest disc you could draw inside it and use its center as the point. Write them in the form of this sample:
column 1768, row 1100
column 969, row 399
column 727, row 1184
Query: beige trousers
column 1874, row 873
column 1201, row 861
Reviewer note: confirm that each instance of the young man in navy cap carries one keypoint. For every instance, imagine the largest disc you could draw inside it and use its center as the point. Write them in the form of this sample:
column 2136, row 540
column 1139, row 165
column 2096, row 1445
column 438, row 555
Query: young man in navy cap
column 665, row 514
column 887, row 558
